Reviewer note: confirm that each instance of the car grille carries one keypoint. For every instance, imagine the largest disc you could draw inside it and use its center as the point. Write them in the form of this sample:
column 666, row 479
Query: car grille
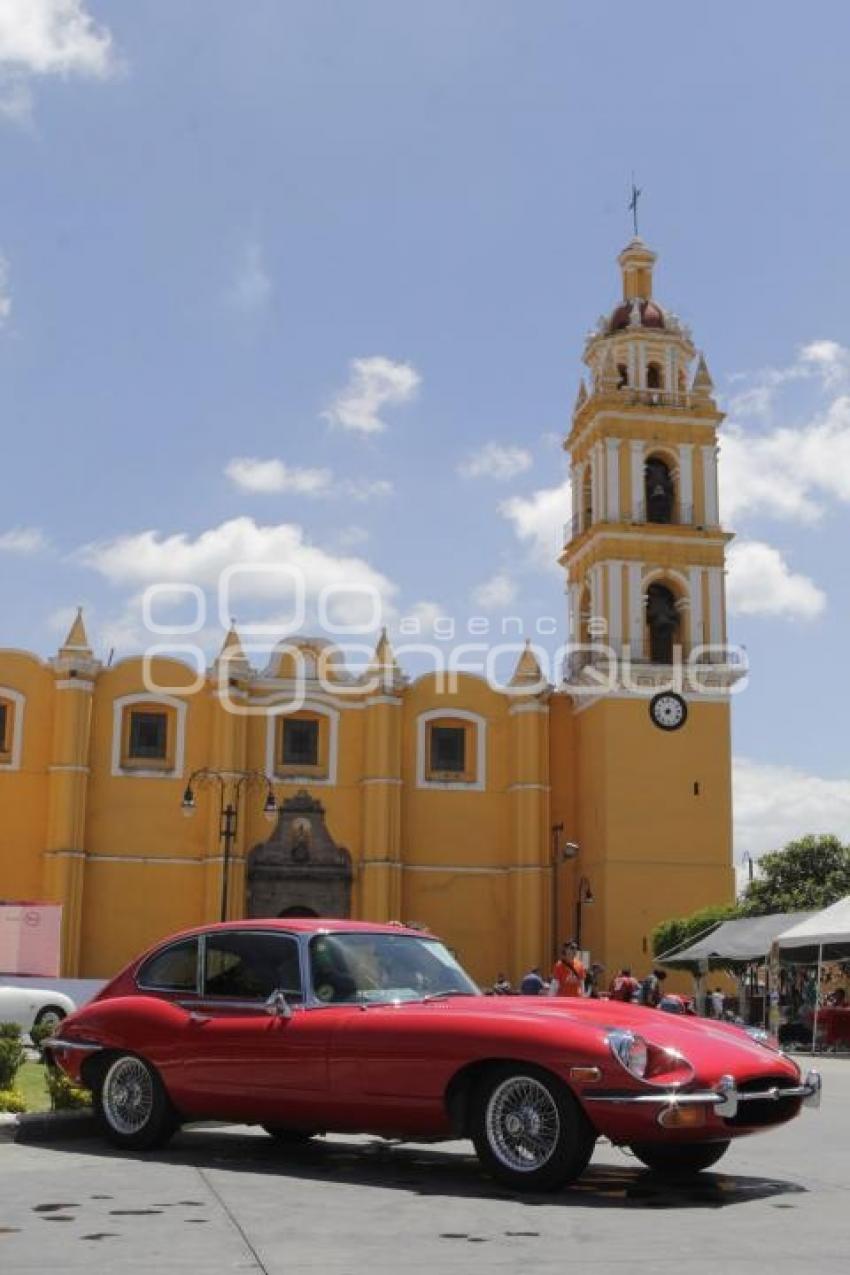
column 762, row 1112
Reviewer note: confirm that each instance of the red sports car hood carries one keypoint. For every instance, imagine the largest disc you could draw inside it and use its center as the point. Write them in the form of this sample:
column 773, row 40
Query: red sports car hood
column 714, row 1049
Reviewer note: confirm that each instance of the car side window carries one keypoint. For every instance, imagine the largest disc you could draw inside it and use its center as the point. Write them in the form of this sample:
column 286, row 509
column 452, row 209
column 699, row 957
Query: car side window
column 240, row 965
column 172, row 969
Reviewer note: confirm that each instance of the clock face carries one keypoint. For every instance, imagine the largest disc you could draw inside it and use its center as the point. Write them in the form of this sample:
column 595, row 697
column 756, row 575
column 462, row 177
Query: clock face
column 668, row 710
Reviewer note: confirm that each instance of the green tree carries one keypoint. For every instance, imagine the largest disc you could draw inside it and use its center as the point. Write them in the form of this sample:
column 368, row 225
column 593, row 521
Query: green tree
column 683, row 930
column 808, row 874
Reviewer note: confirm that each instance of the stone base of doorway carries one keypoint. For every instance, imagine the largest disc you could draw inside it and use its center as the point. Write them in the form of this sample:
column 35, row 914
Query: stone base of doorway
column 47, row 1126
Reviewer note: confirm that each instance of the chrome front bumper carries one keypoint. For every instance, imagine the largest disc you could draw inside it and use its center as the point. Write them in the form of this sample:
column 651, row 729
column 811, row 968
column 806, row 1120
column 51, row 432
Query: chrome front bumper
column 725, row 1099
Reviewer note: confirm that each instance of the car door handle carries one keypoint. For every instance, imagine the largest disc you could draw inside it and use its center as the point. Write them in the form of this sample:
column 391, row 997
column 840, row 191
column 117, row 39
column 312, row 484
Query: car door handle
column 195, row 1017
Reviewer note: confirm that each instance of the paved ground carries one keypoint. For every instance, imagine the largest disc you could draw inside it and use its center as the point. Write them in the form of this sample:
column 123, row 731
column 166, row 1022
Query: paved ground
column 229, row 1200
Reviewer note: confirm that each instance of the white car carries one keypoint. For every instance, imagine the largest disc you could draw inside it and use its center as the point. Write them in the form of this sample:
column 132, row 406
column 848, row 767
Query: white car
column 34, row 1007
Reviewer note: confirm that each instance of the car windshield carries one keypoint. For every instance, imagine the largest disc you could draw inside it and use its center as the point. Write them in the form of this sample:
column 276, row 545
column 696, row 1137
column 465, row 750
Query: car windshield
column 380, row 968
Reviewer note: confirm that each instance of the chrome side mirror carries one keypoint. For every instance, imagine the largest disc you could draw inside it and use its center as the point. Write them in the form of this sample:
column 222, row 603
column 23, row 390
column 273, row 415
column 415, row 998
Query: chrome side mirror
column 277, row 1005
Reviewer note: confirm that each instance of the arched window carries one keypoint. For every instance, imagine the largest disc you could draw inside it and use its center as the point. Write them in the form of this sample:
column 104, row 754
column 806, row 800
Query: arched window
column 662, row 618
column 653, row 376
column 623, row 373
column 659, row 490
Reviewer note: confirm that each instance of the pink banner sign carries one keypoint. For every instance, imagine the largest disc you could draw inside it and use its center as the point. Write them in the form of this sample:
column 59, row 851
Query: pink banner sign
column 29, row 938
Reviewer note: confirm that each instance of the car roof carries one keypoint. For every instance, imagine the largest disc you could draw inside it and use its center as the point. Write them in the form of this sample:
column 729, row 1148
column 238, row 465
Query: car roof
column 301, row 925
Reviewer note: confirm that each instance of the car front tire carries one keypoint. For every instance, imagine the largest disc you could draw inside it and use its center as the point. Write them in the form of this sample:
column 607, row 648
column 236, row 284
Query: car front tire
column 682, row 1157
column 49, row 1016
column 528, row 1130
column 131, row 1106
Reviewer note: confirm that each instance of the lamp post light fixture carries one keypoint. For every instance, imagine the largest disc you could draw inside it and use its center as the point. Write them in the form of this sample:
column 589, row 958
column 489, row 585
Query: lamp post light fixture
column 584, row 898
column 230, row 784
column 561, row 853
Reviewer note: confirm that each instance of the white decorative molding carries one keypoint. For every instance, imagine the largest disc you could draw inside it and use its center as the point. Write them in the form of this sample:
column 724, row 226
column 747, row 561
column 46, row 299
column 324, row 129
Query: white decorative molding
column 322, row 709
column 612, row 477
column 529, row 787
column 709, row 473
column 534, row 707
column 637, row 452
column 715, row 605
column 615, row 604
column 434, row 714
column 697, row 636
column 635, row 607
column 138, row 772
column 686, row 482
column 73, row 770
column 74, row 684
column 17, row 748
column 380, row 779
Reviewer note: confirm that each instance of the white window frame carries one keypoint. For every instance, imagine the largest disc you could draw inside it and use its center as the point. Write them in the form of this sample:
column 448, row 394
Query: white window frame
column 479, row 783
column 17, row 748
column 293, row 777
column 163, row 701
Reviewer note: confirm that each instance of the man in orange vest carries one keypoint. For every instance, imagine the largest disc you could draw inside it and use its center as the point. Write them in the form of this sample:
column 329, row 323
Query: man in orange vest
column 569, row 974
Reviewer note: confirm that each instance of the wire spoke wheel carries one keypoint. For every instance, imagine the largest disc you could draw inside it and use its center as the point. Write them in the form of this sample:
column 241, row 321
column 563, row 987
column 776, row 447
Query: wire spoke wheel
column 128, row 1096
column 522, row 1124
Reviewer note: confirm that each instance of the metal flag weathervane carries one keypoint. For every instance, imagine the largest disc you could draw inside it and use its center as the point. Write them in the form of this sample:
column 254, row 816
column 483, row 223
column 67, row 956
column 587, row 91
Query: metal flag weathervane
column 633, row 204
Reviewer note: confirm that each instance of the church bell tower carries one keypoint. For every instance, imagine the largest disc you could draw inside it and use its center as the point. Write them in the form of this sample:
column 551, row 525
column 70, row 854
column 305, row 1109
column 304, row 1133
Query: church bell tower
column 650, row 673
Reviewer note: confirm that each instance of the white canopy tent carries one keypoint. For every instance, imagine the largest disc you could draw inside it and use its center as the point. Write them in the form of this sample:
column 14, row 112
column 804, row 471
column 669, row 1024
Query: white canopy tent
column 827, row 931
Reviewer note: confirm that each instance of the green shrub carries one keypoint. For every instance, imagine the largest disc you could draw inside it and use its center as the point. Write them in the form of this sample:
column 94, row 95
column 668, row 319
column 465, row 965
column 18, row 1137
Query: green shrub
column 11, row 1054
column 64, row 1094
column 38, row 1035
column 12, row 1100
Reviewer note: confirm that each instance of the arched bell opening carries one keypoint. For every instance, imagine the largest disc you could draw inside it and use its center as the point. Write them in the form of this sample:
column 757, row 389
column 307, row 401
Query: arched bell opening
column 659, row 490
column 663, row 622
column 654, row 377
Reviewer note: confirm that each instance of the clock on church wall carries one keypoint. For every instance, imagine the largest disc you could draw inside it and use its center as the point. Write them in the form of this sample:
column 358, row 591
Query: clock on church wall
column 668, row 710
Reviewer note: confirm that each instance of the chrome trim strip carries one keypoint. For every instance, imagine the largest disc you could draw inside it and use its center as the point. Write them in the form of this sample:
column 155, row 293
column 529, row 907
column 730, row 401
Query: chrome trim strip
column 83, row 1046
column 725, row 1098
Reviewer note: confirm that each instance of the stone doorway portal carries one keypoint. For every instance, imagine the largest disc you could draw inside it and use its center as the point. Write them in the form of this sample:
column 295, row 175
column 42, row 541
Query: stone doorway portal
column 300, row 870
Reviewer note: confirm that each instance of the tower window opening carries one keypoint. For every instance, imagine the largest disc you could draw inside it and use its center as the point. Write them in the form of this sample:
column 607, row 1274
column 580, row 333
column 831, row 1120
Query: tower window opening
column 653, row 376
column 623, row 373
column 662, row 618
column 659, row 490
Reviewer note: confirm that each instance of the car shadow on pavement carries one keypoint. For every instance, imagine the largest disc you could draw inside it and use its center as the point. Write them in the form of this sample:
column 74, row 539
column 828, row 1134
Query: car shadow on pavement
column 432, row 1171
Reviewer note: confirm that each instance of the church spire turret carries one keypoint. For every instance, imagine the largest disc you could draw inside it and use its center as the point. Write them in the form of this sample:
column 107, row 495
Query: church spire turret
column 76, row 644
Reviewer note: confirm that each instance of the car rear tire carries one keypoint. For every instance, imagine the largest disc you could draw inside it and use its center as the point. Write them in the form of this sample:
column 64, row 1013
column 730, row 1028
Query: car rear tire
column 528, row 1130
column 683, row 1157
column 49, row 1016
column 131, row 1105
column 288, row 1137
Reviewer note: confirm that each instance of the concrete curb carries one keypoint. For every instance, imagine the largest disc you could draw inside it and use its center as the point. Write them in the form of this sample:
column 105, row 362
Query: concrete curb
column 52, row 1126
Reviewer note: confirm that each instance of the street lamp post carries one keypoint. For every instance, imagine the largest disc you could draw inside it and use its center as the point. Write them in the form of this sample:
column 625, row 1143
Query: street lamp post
column 583, row 897
column 230, row 784
column 747, row 858
column 560, row 854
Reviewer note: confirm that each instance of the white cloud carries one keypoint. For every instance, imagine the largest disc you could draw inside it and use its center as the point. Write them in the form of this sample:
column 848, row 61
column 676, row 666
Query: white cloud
column 494, row 460
column 760, row 582
column 252, row 286
column 372, row 384
column 774, row 804
column 539, row 520
column 5, row 295
column 23, row 540
column 280, row 554
column 499, row 591
column 267, row 476
column 420, row 619
column 366, row 489
column 272, row 476
column 48, row 37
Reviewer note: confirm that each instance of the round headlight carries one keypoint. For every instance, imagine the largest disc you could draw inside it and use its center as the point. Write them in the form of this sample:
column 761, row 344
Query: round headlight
column 631, row 1052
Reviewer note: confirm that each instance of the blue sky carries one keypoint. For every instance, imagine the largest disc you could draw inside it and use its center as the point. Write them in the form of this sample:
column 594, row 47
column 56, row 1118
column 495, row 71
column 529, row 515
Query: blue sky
column 360, row 243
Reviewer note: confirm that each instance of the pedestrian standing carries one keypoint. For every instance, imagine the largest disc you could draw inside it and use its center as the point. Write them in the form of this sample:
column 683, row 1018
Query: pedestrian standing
column 624, row 987
column 532, row 984
column 718, row 1001
column 569, row 974
column 650, row 988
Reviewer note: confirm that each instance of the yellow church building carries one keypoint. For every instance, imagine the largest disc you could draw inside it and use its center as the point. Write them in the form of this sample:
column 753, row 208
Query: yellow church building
column 506, row 819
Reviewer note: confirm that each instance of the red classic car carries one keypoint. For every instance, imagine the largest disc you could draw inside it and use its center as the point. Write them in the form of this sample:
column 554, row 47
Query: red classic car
column 313, row 1026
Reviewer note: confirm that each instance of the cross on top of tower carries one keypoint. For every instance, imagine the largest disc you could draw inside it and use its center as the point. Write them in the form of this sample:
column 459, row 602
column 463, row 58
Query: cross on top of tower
column 633, row 204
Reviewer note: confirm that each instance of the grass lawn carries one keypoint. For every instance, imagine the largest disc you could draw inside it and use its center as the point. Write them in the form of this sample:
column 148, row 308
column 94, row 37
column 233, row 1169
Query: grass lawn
column 30, row 1081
